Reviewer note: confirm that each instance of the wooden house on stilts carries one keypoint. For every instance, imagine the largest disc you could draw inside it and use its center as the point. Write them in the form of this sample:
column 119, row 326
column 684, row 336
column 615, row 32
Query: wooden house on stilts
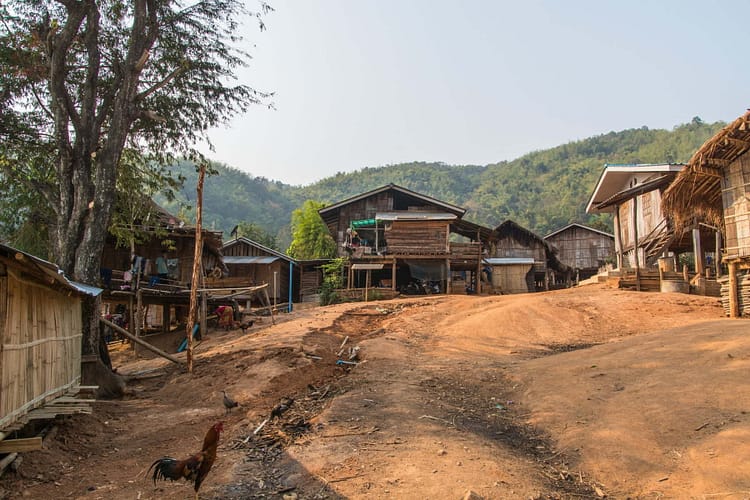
column 400, row 240
column 584, row 249
column 713, row 192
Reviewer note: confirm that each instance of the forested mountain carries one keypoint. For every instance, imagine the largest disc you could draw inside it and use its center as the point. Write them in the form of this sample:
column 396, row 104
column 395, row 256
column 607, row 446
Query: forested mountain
column 542, row 190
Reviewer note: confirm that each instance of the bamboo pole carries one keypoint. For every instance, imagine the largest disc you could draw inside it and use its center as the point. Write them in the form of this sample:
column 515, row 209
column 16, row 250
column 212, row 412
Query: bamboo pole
column 135, row 339
column 198, row 256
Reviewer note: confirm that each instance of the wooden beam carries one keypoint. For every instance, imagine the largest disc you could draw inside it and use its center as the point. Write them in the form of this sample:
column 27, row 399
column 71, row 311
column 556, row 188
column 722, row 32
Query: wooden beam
column 139, row 341
column 734, row 141
column 18, row 445
column 734, row 305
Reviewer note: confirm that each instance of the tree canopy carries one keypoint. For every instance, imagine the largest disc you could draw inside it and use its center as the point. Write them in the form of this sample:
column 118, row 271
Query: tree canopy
column 310, row 236
column 81, row 80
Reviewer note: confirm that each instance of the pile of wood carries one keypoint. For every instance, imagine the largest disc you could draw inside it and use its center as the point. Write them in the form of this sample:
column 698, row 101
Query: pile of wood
column 743, row 294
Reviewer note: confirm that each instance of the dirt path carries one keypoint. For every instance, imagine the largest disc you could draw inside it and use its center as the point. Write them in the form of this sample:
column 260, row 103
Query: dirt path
column 571, row 394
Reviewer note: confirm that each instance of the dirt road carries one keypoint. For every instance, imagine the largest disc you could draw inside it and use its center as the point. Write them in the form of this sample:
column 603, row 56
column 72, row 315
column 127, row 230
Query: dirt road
column 579, row 393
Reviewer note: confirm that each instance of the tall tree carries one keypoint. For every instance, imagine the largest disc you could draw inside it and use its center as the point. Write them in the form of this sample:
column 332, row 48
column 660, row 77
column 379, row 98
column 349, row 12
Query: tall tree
column 81, row 79
column 310, row 236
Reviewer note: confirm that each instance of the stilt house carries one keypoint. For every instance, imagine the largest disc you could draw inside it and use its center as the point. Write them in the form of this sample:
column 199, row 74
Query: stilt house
column 399, row 239
column 645, row 236
column 713, row 192
column 41, row 329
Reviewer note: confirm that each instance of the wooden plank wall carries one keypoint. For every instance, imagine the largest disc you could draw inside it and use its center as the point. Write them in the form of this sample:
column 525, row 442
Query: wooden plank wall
column 40, row 345
column 582, row 249
column 417, row 237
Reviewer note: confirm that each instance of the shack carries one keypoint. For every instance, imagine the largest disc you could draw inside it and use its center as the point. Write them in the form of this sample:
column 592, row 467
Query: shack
column 583, row 248
column 713, row 192
column 41, row 330
column 248, row 262
column 521, row 249
column 405, row 241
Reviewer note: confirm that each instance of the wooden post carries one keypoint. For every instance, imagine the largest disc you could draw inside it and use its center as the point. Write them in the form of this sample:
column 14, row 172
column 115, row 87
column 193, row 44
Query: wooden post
column 197, row 257
column 698, row 252
column 165, row 317
column 449, row 279
column 204, row 314
column 368, row 276
column 393, row 275
column 734, row 305
column 634, row 223
column 618, row 238
column 138, row 317
column 717, row 254
column 139, row 341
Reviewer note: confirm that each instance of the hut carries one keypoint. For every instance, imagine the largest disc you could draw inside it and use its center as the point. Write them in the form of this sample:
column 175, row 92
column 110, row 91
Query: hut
column 522, row 261
column 583, row 248
column 248, row 262
column 41, row 329
column 406, row 241
column 713, row 191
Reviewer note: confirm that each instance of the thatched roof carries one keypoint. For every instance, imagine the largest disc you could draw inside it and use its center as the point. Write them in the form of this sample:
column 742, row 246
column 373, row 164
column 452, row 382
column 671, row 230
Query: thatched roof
column 696, row 192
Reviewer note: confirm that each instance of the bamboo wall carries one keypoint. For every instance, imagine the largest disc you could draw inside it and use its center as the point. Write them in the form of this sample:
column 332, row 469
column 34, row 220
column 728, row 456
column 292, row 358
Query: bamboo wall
column 511, row 278
column 736, row 203
column 40, row 345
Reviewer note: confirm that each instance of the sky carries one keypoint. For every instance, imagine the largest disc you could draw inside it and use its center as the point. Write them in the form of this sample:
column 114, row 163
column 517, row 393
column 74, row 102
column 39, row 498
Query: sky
column 368, row 83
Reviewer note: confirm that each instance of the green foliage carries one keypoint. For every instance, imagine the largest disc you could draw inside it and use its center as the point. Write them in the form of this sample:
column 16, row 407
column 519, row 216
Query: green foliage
column 310, row 236
column 333, row 279
column 256, row 233
column 543, row 191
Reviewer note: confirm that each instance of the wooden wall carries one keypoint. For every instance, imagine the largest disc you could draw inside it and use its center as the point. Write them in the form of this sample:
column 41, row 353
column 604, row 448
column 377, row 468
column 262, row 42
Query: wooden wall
column 736, row 203
column 40, row 345
column 417, row 237
column 510, row 247
column 581, row 248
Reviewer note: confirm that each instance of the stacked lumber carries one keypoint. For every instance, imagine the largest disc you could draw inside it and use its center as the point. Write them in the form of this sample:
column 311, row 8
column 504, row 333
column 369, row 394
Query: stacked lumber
column 743, row 294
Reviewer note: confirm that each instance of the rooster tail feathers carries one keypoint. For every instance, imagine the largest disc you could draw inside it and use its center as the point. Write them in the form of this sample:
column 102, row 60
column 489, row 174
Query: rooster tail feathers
column 165, row 468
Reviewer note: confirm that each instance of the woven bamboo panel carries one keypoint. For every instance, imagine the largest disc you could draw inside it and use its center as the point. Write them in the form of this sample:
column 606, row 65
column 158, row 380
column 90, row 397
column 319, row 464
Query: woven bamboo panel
column 40, row 355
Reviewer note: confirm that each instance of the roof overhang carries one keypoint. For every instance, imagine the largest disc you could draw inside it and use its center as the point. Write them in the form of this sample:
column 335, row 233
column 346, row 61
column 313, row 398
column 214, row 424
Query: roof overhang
column 414, row 216
column 245, row 259
column 369, row 267
column 616, row 178
column 509, row 261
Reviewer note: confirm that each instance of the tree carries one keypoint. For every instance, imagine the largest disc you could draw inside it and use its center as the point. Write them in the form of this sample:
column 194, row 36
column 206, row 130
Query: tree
column 82, row 79
column 256, row 233
column 310, row 236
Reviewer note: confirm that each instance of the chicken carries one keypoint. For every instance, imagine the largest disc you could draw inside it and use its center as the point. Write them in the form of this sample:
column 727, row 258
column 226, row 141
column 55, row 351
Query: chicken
column 281, row 407
column 229, row 403
column 247, row 325
column 194, row 468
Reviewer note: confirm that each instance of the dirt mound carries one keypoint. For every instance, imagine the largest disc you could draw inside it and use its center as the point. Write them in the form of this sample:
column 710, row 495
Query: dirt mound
column 576, row 393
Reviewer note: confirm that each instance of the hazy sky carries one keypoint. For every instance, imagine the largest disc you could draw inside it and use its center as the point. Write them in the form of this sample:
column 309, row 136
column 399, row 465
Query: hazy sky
column 365, row 83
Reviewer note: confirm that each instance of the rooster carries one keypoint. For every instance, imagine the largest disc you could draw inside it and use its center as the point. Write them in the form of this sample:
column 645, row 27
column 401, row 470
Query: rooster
column 229, row 403
column 194, row 468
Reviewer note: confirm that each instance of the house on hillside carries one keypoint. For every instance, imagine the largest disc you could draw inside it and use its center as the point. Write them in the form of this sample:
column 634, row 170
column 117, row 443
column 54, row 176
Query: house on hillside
column 644, row 234
column 583, row 248
column 713, row 192
column 249, row 262
column 402, row 240
column 522, row 261
column 41, row 330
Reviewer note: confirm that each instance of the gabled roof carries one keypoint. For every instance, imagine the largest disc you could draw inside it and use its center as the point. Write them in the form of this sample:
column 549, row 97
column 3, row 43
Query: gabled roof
column 614, row 178
column 696, row 192
column 255, row 244
column 526, row 237
column 575, row 224
column 329, row 213
column 47, row 269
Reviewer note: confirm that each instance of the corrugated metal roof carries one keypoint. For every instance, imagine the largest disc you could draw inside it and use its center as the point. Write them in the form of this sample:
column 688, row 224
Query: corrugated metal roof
column 508, row 261
column 244, row 259
column 414, row 216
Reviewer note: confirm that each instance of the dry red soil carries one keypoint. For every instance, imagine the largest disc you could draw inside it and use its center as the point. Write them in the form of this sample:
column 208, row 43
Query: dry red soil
column 581, row 393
